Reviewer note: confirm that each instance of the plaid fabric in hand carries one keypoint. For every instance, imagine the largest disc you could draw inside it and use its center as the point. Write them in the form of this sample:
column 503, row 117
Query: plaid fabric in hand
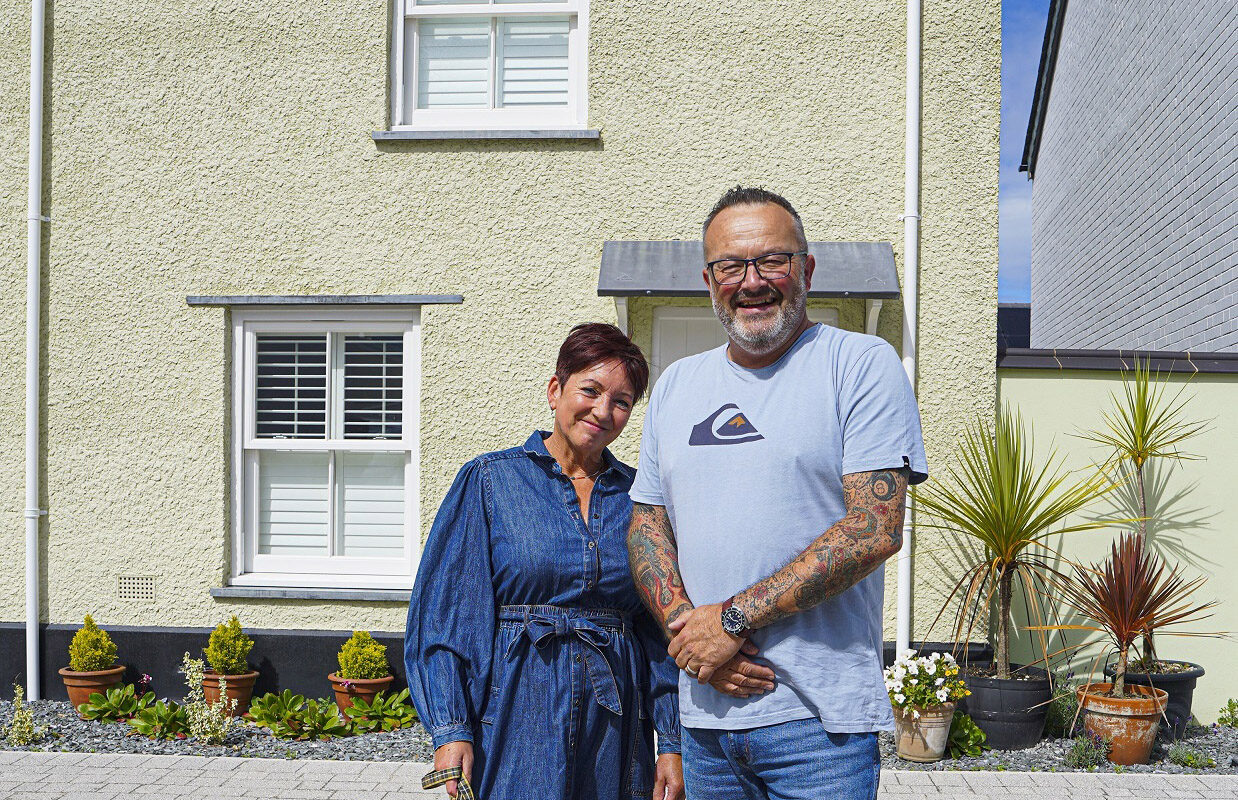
column 440, row 777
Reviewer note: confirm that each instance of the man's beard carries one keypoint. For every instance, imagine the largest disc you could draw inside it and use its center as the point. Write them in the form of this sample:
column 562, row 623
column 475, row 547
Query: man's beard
column 764, row 337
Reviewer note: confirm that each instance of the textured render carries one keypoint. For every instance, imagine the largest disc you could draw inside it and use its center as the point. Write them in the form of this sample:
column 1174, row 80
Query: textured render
column 225, row 149
column 1192, row 505
column 1135, row 201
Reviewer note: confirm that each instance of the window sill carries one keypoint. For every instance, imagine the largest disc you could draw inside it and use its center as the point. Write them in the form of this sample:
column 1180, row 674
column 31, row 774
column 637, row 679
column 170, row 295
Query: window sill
column 482, row 134
column 280, row 593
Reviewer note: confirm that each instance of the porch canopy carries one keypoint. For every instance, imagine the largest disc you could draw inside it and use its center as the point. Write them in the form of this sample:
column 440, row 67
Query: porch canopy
column 862, row 270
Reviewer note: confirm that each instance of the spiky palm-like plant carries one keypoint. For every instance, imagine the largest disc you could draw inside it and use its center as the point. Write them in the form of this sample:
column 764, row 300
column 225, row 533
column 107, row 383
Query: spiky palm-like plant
column 1129, row 595
column 1145, row 423
column 1000, row 496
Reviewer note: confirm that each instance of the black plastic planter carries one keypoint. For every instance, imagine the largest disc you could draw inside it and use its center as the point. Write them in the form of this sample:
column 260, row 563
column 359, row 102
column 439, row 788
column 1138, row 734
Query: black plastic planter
column 1010, row 712
column 1181, row 689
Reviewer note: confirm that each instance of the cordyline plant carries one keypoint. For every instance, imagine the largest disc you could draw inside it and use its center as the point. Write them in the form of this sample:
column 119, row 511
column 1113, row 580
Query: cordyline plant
column 1145, row 423
column 999, row 496
column 1130, row 594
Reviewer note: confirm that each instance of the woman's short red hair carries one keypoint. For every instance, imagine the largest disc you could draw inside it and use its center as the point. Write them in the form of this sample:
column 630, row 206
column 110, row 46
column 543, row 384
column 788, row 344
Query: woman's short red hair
column 593, row 343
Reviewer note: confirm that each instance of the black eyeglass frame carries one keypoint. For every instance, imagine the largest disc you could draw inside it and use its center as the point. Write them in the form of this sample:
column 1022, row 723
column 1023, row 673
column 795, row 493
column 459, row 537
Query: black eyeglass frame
column 753, row 261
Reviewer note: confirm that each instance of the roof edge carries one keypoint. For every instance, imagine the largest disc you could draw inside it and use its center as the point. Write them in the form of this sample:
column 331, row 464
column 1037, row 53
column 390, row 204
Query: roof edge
column 1117, row 360
column 1044, row 83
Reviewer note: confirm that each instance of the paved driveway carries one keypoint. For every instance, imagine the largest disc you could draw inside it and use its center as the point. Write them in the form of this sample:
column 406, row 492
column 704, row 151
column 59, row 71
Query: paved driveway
column 70, row 776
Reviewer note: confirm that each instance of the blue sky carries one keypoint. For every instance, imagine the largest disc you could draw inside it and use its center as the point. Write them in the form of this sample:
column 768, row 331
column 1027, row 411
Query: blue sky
column 1023, row 31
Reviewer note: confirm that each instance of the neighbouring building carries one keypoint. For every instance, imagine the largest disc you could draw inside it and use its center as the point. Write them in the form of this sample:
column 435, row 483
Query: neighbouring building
column 1130, row 148
column 303, row 261
column 1135, row 186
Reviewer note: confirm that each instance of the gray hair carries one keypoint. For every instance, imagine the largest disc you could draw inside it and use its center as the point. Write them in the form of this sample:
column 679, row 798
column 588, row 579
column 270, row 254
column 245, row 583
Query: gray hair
column 755, row 196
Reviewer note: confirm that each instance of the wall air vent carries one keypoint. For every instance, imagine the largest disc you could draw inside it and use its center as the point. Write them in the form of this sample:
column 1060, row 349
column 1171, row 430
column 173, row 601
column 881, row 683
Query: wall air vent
column 138, row 588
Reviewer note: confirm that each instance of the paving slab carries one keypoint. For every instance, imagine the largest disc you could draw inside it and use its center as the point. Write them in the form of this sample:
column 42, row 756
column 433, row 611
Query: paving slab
column 68, row 776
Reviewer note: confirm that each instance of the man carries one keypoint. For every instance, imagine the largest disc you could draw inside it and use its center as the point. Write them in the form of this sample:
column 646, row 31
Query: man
column 771, row 487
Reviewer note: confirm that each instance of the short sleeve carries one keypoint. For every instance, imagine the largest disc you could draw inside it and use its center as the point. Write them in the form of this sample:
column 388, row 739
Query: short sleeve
column 647, row 486
column 879, row 416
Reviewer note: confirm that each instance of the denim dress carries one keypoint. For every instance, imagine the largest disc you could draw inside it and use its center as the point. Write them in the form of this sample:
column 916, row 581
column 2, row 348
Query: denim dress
column 526, row 636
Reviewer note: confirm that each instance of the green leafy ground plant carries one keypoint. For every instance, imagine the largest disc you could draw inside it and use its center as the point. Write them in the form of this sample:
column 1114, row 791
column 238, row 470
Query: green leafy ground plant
column 1229, row 715
column 1184, row 755
column 91, row 649
column 1001, row 496
column 21, row 731
column 291, row 716
column 163, row 720
column 384, row 714
column 966, row 738
column 117, row 705
column 1089, row 750
column 228, row 648
column 363, row 658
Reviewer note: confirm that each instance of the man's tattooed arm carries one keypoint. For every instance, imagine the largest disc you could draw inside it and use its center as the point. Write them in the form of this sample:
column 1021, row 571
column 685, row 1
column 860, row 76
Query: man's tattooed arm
column 847, row 552
column 655, row 563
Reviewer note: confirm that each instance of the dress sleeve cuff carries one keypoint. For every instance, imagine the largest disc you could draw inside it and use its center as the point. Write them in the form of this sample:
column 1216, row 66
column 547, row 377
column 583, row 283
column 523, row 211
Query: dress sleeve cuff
column 453, row 732
column 668, row 744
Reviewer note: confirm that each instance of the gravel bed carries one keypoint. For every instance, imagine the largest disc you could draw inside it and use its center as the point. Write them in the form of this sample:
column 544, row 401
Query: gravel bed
column 1221, row 744
column 73, row 734
column 70, row 733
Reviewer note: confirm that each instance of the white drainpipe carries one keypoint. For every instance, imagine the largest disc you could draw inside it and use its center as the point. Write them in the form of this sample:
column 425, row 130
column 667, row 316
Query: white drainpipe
column 34, row 233
column 911, row 291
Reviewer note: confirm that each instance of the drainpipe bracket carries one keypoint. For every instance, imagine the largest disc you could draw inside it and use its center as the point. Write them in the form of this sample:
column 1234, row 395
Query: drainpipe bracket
column 35, row 513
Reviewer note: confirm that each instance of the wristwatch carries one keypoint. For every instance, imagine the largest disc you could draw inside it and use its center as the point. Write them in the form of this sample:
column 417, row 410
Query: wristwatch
column 734, row 621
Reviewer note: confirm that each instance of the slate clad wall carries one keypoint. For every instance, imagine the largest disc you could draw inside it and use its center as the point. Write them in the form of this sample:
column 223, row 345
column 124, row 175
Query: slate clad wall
column 1135, row 199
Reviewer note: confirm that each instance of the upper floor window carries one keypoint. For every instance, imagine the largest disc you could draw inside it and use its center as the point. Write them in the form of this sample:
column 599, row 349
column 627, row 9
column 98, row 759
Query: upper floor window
column 500, row 64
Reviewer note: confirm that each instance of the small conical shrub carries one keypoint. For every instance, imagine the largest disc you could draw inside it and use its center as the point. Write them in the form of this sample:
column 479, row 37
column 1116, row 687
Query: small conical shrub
column 228, row 648
column 363, row 658
column 91, row 649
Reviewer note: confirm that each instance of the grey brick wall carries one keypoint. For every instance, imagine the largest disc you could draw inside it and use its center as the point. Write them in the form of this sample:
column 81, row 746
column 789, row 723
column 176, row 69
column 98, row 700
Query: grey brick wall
column 1135, row 199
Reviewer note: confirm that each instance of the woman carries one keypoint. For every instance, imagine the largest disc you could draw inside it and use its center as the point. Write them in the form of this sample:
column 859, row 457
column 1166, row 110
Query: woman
column 529, row 655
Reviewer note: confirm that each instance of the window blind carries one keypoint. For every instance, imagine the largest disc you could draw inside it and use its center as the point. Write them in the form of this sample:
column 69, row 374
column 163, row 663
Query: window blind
column 453, row 63
column 293, row 506
column 373, row 386
column 533, row 62
column 291, row 387
column 372, row 503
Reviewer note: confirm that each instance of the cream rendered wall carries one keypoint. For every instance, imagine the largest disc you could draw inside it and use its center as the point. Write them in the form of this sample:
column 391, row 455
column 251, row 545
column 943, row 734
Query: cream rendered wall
column 224, row 148
column 1192, row 505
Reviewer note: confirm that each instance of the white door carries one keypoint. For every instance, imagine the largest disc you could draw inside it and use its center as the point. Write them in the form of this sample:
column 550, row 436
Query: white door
column 679, row 332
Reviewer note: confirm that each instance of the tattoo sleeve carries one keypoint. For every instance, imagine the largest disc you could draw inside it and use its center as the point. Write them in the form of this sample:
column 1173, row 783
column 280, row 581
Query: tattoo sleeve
column 654, row 560
column 847, row 552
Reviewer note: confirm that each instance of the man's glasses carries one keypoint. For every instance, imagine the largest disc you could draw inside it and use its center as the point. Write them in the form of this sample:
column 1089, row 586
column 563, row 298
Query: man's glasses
column 768, row 266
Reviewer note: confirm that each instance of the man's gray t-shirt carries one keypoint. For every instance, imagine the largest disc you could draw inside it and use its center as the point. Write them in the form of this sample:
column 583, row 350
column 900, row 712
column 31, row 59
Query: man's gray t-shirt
column 749, row 465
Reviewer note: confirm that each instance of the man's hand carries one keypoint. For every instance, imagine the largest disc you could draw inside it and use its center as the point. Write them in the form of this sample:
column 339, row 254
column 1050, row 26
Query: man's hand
column 454, row 754
column 668, row 777
column 700, row 645
column 741, row 676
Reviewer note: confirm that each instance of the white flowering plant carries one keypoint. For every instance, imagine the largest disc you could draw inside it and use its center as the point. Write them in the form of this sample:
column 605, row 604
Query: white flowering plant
column 914, row 683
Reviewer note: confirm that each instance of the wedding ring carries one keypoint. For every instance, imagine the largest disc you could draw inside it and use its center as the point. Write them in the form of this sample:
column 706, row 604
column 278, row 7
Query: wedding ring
column 690, row 671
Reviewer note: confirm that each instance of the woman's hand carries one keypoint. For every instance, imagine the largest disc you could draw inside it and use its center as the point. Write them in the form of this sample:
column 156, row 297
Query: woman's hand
column 456, row 754
column 668, row 783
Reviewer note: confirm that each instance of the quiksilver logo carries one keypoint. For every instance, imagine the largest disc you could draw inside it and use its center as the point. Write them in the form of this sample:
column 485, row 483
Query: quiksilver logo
column 723, row 428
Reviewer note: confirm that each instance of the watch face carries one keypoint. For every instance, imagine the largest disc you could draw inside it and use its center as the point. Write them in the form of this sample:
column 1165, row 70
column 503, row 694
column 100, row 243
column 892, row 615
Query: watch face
column 733, row 621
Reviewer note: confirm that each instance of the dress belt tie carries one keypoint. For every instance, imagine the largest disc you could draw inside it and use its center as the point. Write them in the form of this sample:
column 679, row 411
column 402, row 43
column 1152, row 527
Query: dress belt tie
column 595, row 628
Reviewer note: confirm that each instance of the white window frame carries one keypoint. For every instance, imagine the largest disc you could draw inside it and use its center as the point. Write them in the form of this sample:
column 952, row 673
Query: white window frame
column 404, row 112
column 249, row 568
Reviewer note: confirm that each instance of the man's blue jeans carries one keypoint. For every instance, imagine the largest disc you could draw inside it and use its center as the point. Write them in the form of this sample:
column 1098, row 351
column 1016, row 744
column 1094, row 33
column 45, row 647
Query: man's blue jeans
column 795, row 760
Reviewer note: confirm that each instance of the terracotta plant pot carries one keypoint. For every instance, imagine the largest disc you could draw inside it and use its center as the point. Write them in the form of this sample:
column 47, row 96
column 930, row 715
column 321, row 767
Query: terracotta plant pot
column 923, row 738
column 346, row 689
column 81, row 685
column 1128, row 723
column 240, row 688
column 1181, row 688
